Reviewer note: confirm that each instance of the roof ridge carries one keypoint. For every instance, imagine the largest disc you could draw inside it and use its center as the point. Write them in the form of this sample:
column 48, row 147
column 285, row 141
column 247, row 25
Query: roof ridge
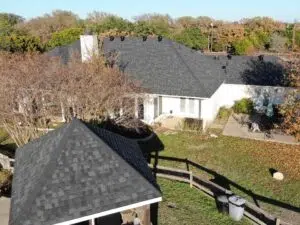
column 45, row 176
column 188, row 67
column 121, row 157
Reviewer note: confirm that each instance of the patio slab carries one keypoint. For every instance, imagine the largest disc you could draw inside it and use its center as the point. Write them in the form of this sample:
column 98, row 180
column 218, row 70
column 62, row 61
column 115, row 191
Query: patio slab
column 235, row 129
column 4, row 210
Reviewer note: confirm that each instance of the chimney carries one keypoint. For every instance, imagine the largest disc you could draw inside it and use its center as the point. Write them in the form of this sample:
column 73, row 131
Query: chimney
column 89, row 47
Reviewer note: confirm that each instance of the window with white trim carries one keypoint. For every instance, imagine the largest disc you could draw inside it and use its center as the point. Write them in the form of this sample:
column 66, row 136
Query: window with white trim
column 191, row 106
column 182, row 104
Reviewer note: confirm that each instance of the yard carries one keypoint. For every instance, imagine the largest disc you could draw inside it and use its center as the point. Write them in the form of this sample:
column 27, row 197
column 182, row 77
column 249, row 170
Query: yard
column 183, row 205
column 243, row 166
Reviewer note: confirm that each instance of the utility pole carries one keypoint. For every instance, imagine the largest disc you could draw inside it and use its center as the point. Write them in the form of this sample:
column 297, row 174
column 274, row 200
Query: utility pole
column 211, row 36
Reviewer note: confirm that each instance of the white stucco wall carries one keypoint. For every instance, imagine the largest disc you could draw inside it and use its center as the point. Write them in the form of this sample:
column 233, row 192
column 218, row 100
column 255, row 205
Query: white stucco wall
column 207, row 109
column 227, row 94
column 149, row 108
column 89, row 46
column 169, row 104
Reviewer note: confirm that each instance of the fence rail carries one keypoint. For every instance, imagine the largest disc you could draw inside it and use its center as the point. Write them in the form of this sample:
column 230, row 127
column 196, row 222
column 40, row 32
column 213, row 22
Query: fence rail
column 252, row 212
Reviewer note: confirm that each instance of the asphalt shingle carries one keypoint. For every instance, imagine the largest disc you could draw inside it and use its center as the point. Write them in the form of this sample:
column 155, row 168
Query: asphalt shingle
column 166, row 67
column 76, row 171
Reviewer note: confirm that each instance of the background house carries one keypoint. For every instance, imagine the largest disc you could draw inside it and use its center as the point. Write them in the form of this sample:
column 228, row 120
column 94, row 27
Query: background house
column 182, row 82
column 78, row 174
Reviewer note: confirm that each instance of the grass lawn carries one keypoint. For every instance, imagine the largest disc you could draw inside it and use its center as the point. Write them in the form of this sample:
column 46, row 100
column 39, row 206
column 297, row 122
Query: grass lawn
column 244, row 162
column 192, row 206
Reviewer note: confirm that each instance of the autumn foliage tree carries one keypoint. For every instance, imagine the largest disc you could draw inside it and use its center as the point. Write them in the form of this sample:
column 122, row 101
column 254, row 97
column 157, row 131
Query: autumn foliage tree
column 44, row 26
column 291, row 108
column 35, row 89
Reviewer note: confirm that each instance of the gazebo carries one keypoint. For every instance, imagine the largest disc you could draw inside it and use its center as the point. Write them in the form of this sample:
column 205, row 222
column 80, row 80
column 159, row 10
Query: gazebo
column 80, row 174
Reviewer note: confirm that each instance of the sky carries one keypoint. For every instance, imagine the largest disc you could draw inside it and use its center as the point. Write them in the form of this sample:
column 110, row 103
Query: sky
column 231, row 10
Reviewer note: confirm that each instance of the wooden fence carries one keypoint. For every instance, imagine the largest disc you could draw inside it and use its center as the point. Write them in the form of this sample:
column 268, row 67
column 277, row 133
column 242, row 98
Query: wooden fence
column 252, row 212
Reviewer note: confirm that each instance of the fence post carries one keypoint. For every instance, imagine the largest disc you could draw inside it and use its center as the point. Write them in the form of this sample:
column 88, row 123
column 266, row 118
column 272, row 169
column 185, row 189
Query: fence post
column 187, row 164
column 191, row 179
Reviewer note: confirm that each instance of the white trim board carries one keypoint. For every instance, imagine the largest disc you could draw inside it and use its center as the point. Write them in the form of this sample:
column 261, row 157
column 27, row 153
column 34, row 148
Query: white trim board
column 111, row 211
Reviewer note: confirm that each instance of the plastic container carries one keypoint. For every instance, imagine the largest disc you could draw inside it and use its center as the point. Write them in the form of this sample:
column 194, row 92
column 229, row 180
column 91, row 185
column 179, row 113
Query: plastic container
column 236, row 207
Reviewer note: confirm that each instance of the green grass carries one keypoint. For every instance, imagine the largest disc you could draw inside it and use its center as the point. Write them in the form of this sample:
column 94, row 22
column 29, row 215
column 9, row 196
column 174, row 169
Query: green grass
column 244, row 162
column 192, row 206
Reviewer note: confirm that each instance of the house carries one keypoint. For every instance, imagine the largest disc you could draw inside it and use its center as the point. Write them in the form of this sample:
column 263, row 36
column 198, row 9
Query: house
column 182, row 82
column 79, row 174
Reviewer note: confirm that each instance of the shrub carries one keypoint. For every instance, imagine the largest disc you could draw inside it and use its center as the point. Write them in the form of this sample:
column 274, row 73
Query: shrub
column 192, row 38
column 244, row 105
column 20, row 43
column 242, row 47
column 64, row 37
column 192, row 124
column 224, row 113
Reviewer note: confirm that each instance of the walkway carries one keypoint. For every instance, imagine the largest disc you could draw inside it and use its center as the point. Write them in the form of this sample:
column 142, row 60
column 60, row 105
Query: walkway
column 4, row 210
column 234, row 128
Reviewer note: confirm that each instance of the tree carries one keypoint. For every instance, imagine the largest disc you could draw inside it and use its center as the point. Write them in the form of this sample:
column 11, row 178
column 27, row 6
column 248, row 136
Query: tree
column 97, row 17
column 34, row 89
column 242, row 47
column 265, row 24
column 110, row 24
column 64, row 37
column 297, row 38
column 155, row 24
column 20, row 43
column 8, row 21
column 226, row 34
column 278, row 43
column 291, row 107
column 186, row 22
column 193, row 38
column 44, row 26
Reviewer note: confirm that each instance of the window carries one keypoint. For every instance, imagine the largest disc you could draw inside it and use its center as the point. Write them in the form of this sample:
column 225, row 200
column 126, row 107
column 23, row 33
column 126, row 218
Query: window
column 191, row 106
column 182, row 104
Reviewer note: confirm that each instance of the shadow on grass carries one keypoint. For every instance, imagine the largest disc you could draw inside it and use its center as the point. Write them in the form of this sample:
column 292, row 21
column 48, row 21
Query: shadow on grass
column 225, row 183
column 8, row 150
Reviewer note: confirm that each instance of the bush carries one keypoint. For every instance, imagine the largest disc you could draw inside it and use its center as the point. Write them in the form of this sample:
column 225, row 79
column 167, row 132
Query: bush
column 192, row 38
column 192, row 124
column 242, row 47
column 64, row 37
column 20, row 43
column 243, row 106
column 224, row 113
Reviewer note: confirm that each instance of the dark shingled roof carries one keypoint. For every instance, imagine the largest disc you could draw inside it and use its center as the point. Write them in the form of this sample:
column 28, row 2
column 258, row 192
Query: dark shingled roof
column 166, row 67
column 65, row 52
column 76, row 171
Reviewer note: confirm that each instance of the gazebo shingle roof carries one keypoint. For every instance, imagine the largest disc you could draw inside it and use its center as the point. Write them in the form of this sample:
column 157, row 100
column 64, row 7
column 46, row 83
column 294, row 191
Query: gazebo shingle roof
column 77, row 171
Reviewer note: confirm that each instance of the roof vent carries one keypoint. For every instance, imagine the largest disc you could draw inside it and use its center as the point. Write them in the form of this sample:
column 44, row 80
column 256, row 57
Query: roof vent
column 144, row 38
column 122, row 38
column 216, row 57
column 261, row 57
column 111, row 38
column 229, row 56
column 159, row 38
column 225, row 69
